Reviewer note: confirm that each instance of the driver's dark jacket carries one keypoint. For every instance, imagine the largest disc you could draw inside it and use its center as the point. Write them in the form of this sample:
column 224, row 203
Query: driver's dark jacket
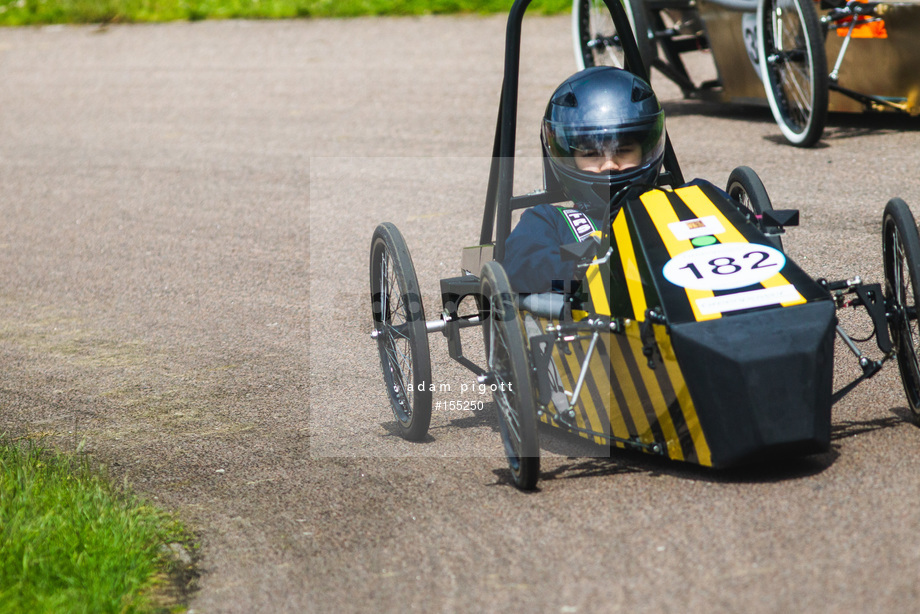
column 533, row 259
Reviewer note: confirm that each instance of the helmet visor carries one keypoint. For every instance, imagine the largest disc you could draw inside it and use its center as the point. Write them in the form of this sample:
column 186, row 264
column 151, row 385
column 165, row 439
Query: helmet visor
column 612, row 150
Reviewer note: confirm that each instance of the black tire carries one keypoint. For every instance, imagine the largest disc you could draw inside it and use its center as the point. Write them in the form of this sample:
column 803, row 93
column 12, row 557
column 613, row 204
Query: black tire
column 793, row 65
column 508, row 362
column 402, row 339
column 595, row 37
column 748, row 191
column 901, row 256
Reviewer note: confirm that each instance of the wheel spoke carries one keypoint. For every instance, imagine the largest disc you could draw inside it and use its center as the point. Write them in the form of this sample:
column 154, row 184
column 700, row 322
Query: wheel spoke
column 904, row 294
column 603, row 44
column 510, row 422
column 402, row 359
column 790, row 63
column 397, row 343
column 396, row 310
column 400, row 365
column 799, row 86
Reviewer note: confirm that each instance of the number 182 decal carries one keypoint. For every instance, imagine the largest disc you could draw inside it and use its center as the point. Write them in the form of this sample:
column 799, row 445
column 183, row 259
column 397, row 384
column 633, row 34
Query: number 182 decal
column 724, row 266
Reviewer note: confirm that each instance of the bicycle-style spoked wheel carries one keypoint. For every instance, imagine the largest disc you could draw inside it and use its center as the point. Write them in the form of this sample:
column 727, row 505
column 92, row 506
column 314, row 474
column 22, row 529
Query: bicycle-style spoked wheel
column 793, row 64
column 901, row 254
column 510, row 376
column 746, row 189
column 596, row 40
column 399, row 325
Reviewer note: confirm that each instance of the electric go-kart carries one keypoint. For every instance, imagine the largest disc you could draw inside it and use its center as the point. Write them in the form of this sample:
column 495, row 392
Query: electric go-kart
column 776, row 52
column 692, row 336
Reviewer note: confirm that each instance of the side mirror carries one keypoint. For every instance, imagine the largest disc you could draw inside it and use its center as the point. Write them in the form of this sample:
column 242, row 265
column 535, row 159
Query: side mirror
column 781, row 217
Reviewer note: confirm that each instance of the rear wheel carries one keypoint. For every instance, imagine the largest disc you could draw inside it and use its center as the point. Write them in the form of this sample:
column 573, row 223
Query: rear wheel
column 748, row 191
column 901, row 254
column 510, row 376
column 597, row 42
column 793, row 65
column 399, row 325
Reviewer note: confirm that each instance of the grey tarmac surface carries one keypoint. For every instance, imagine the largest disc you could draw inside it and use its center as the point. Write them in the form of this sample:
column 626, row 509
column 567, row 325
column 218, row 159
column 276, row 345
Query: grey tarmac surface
column 186, row 216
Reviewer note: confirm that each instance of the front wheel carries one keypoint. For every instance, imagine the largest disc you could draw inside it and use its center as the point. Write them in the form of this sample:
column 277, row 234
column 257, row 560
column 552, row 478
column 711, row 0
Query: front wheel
column 748, row 191
column 793, row 65
column 901, row 255
column 510, row 376
column 399, row 327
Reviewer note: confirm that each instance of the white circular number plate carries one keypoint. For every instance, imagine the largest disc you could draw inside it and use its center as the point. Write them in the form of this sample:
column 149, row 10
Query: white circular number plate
column 724, row 266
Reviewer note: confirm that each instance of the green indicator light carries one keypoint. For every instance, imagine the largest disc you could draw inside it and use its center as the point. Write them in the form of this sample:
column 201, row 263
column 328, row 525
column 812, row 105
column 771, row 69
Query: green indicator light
column 701, row 241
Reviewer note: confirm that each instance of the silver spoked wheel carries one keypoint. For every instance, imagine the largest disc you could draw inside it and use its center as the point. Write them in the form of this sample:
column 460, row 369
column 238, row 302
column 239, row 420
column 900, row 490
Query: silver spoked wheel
column 399, row 325
column 901, row 254
column 793, row 64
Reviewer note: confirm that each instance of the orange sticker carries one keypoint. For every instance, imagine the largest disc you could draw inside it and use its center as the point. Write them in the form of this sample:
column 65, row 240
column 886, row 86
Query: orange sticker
column 864, row 29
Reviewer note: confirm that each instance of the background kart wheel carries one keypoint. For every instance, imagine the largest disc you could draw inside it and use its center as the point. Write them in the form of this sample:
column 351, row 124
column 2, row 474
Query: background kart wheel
column 901, row 255
column 596, row 40
column 399, row 319
column 509, row 366
column 746, row 189
column 793, row 63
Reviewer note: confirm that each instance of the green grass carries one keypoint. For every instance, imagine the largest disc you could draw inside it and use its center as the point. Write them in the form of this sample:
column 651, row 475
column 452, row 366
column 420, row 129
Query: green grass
column 71, row 542
column 31, row 12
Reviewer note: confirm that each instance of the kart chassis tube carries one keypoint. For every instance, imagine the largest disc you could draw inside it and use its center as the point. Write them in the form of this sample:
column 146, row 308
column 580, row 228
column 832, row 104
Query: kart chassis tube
column 498, row 205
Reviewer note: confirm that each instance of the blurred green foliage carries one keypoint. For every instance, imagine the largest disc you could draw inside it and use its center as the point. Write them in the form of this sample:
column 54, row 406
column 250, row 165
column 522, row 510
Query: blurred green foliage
column 33, row 12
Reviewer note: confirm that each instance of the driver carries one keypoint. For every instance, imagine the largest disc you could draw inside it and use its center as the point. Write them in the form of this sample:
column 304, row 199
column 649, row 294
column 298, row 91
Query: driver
column 603, row 130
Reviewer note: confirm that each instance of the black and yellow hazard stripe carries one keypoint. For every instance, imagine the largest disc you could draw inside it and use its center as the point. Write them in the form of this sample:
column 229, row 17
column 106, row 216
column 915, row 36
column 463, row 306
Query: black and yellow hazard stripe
column 601, row 408
column 625, row 266
column 677, row 398
column 702, row 206
column 663, row 207
column 622, row 397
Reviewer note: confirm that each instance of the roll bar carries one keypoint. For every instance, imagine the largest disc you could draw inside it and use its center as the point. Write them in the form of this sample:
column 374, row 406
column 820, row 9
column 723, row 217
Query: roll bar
column 500, row 201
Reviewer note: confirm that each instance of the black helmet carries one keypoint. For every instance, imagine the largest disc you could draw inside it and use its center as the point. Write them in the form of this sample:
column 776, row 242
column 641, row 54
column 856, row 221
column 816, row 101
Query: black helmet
column 602, row 113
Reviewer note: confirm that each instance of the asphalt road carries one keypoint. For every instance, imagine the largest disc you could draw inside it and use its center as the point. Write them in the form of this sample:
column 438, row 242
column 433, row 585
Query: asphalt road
column 186, row 216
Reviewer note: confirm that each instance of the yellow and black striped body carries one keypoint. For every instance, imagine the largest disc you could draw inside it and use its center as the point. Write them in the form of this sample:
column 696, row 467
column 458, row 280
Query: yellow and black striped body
column 625, row 399
column 714, row 376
